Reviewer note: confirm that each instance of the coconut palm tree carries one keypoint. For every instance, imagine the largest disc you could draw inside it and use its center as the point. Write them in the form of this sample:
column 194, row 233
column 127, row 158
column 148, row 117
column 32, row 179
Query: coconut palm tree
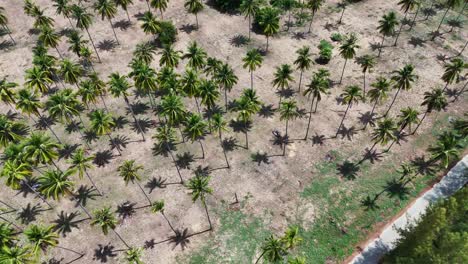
column 348, row 50
column 63, row 105
column 252, row 60
column 403, row 79
column 212, row 66
column 82, row 163
column 105, row 219
column 70, row 72
column 88, row 93
column 249, row 8
column 407, row 117
column 158, row 207
column 446, row 149
column 194, row 7
column 7, row 235
column 150, row 23
column 199, row 189
column 378, row 94
column 209, row 93
column 55, row 183
column 352, row 95
column 291, row 237
column 129, row 171
column 15, row 172
column 270, row 24
column 145, row 79
column 384, row 133
column 102, row 124
column 133, row 255
column 272, row 250
column 62, row 7
column 450, row 4
column 50, row 38
column 76, row 42
column 16, row 255
column 124, row 4
column 317, row 87
column 314, row 6
column 165, row 138
column 107, row 9
column 100, row 87
column 433, row 100
column 169, row 57
column 288, row 111
column 38, row 79
column 172, row 109
column 38, row 148
column 83, row 21
column 453, row 71
column 405, row 6
column 190, row 85
column 41, row 19
column 303, row 62
column 4, row 23
column 11, row 131
column 283, row 77
column 367, row 63
column 343, row 4
column 247, row 106
column 41, row 237
column 161, row 5
column 195, row 129
column 7, row 94
column 196, row 56
column 144, row 52
column 219, row 125
column 226, row 79
column 387, row 27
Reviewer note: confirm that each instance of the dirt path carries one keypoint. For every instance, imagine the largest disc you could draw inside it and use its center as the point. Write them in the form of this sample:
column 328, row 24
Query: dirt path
column 453, row 181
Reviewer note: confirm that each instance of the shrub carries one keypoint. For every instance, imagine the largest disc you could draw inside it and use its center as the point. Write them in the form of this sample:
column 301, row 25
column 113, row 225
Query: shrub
column 326, row 51
column 336, row 37
column 168, row 33
column 228, row 6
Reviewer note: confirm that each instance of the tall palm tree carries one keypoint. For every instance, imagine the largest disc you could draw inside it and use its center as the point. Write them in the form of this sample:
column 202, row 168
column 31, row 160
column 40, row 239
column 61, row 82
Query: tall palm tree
column 105, row 219
column 348, row 50
column 352, row 95
column 407, row 117
column 194, row 7
column 158, row 207
column 76, row 42
column 50, row 38
column 88, row 93
column 107, row 9
column 40, row 149
column 303, row 62
column 7, row 94
column 144, row 52
column 196, row 56
column 42, row 237
column 145, row 79
column 343, row 4
column 446, row 149
column 150, row 23
column 247, row 106
column 172, row 109
column 317, row 87
column 102, row 124
column 384, row 133
column 169, row 57
column 199, row 189
column 161, row 5
column 379, row 93
column 133, row 255
column 449, row 4
column 403, row 79
column 124, row 5
column 16, row 255
column 252, row 60
column 84, row 21
column 226, row 79
column 165, row 139
column 367, row 63
column 195, row 129
column 209, row 93
column 129, row 171
column 38, row 79
column 433, row 100
column 249, row 8
column 272, row 250
column 63, row 105
column 418, row 7
column 70, row 72
column 62, row 7
column 283, row 76
column 453, row 71
column 288, row 111
column 82, row 163
column 314, row 6
column 100, row 87
column 10, row 131
column 190, row 85
column 219, row 125
column 212, row 66
column 4, row 23
column 270, row 24
column 387, row 27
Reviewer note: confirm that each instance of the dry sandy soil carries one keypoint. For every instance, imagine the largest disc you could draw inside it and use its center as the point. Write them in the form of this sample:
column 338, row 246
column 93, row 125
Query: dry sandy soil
column 273, row 187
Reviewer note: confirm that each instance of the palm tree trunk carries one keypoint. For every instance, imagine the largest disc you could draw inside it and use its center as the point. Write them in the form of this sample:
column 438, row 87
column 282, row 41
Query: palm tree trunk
column 208, row 215
column 381, row 45
column 202, row 149
column 147, row 3
column 289, row 19
column 364, row 80
column 58, row 51
column 224, row 150
column 175, row 163
column 461, row 91
column 104, row 103
column 71, row 250
column 251, row 79
column 121, row 239
column 261, row 255
column 441, row 21
column 310, row 118
column 342, row 120
column 373, row 146
column 311, row 20
column 92, row 42
column 55, row 165
column 113, row 30
column 11, row 223
column 393, row 101
column 391, row 145
column 162, row 15
column 419, row 124
column 341, row 17
column 414, row 18
column 196, row 18
column 344, row 67
column 144, row 193
column 128, row 16
column 300, row 81
column 38, row 194
column 246, row 140
column 9, row 33
column 286, row 136
column 225, row 99
column 463, row 49
column 84, row 210
column 399, row 31
column 372, row 113
column 168, row 222
column 267, row 37
column 92, row 182
column 250, row 25
column 134, row 118
column 50, row 129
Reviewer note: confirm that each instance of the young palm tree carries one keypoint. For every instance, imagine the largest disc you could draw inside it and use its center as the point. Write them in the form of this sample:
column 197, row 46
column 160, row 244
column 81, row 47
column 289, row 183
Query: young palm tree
column 407, row 117
column 387, row 27
column 165, row 138
column 50, row 38
column 272, row 250
column 84, row 21
column 194, row 7
column 82, row 163
column 191, row 85
column 11, row 131
column 102, row 124
column 158, row 207
column 219, row 124
column 105, row 219
column 288, row 111
column 348, row 50
column 252, row 60
column 133, row 255
column 291, row 237
column 226, row 79
column 367, row 63
column 199, row 188
column 270, row 24
column 124, row 5
column 107, row 9
column 433, row 100
column 169, row 57
column 453, row 71
column 446, row 149
column 196, row 56
column 249, row 8
column 16, row 255
column 40, row 149
column 4, row 23
column 15, row 173
column 317, row 87
column 161, row 5
column 38, row 79
column 352, row 95
column 150, row 23
column 303, row 62
column 129, row 171
column 449, row 4
column 314, row 6
column 195, row 129
column 70, row 72
column 403, row 79
column 7, row 94
column 42, row 238
column 379, row 93
column 384, row 133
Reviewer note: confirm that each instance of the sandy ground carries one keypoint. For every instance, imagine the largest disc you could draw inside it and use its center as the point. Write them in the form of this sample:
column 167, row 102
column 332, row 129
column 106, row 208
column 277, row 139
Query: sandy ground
column 273, row 187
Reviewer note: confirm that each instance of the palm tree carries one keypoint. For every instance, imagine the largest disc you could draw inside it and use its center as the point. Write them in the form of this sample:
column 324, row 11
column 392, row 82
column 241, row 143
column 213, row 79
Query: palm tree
column 283, row 76
column 133, row 255
column 352, row 95
column 303, row 62
column 145, row 79
column 158, row 207
column 384, row 132
column 246, row 106
column 343, row 4
column 76, row 42
column 4, row 23
column 88, row 93
column 318, row 86
column 314, row 6
column 169, row 57
column 403, row 79
column 144, row 52
column 165, row 136
column 16, row 255
column 219, row 124
column 226, row 78
column 105, row 219
column 406, row 5
column 40, row 149
column 450, row 4
column 212, row 66
column 249, row 8
column 190, row 85
column 195, row 129
column 62, row 7
column 42, row 237
column 70, row 72
column 252, row 60
column 270, row 23
column 161, row 5
column 194, row 7
column 129, row 171
column 55, row 183
column 209, row 93
column 272, row 250
column 107, row 9
column 348, row 50
column 38, row 79
column 102, row 124
column 82, row 163
column 407, row 117
column 41, row 19
column 288, row 111
column 7, row 95
column 150, row 23
column 367, row 63
column 453, row 71
column 387, row 27
column 196, row 56
column 84, row 21
column 433, row 100
column 50, row 39
column 199, row 188
column 445, row 149
column 379, row 93
column 63, row 105
column 100, row 87
column 10, row 131
column 291, row 237
column 172, row 109
column 124, row 5
column 15, row 172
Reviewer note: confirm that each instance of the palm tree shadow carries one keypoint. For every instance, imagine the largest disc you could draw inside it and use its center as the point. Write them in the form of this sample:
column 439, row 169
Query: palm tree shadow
column 428, row 12
column 239, row 126
column 260, row 158
column 126, row 210
column 202, row 171
column 103, row 253
column 12, row 115
column 417, row 42
column 90, row 136
column 347, row 132
column 330, row 26
column 65, row 222
column 239, row 40
column 183, row 161
column 123, row 24
column 34, row 31
column 73, row 126
column 53, row 260
column 229, row 144
column 285, row 93
column 155, row 183
column 368, row 118
column 107, row 45
column 67, row 150
column 24, row 186
column 267, row 111
column 145, row 125
column 208, row 113
column 65, row 32
column 318, row 139
column 369, row 203
column 375, row 46
column 348, row 170
column 6, row 44
column 299, row 35
column 279, row 140
column 120, row 122
column 29, row 214
column 452, row 93
column 181, row 238
column 83, row 194
column 395, row 188
column 163, row 149
column 138, row 108
column 102, row 158
column 423, row 166
column 188, row 28
column 371, row 156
